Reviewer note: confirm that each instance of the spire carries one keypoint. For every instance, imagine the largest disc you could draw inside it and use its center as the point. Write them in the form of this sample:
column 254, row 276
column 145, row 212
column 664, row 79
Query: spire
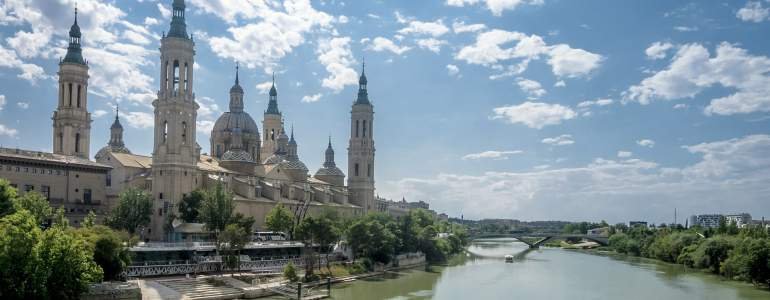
column 178, row 25
column 237, row 66
column 116, row 131
column 272, row 106
column 329, row 163
column 74, row 52
column 291, row 140
column 363, row 95
column 116, row 124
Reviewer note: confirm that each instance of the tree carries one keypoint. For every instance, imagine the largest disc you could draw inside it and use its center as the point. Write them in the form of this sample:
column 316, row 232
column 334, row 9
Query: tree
column 90, row 219
column 231, row 241
column 60, row 219
column 133, row 210
column 217, row 209
column 109, row 251
column 279, row 219
column 36, row 204
column 290, row 272
column 305, row 232
column 190, row 205
column 369, row 238
column 20, row 273
column 7, row 194
column 67, row 263
column 247, row 223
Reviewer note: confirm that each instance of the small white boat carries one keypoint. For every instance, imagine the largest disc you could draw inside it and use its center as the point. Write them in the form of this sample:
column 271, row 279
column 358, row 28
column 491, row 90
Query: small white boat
column 509, row 258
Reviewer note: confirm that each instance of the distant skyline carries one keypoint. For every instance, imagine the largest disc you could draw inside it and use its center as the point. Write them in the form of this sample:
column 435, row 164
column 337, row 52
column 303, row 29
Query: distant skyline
column 522, row 109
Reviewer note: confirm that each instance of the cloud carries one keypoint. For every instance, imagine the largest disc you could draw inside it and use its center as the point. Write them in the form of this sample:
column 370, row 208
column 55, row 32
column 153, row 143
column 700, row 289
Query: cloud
column 380, row 44
column 680, row 106
column 311, row 98
column 151, row 21
column 2, row 102
column 264, row 87
column 495, row 6
column 534, row 114
column 496, row 155
column 139, row 120
column 736, row 169
column 8, row 131
column 560, row 83
column 452, row 70
column 533, row 88
column 268, row 34
column 28, row 71
column 657, row 50
column 22, row 105
column 597, row 102
column 562, row 140
column 431, row 44
column 204, row 126
column 624, row 154
column 685, row 28
column 490, row 49
column 753, row 12
column 336, row 56
column 693, row 69
column 164, row 11
column 207, row 107
column 646, row 143
column 434, row 29
column 461, row 27
column 98, row 113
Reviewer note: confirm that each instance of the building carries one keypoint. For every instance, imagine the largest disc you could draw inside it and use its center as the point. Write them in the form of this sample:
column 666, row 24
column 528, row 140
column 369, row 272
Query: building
column 705, row 221
column 399, row 208
column 633, row 224
column 261, row 169
column 740, row 220
column 602, row 231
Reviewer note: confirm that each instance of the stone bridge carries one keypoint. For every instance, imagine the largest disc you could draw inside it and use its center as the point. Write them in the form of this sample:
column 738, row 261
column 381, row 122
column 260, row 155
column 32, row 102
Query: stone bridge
column 534, row 240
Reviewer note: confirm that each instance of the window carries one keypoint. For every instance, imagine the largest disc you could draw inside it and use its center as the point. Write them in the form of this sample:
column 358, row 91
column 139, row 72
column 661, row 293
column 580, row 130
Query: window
column 87, row 196
column 17, row 169
column 186, row 76
column 219, row 151
column 61, row 142
column 356, row 128
column 272, row 134
column 165, row 131
column 46, row 191
column 369, row 170
column 70, row 95
column 78, row 103
column 184, row 132
column 77, row 142
column 160, row 196
column 364, row 131
column 356, row 169
column 176, row 77
column 109, row 179
column 29, row 188
column 13, row 185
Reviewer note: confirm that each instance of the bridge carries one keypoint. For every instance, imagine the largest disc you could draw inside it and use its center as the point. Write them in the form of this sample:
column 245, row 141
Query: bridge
column 534, row 240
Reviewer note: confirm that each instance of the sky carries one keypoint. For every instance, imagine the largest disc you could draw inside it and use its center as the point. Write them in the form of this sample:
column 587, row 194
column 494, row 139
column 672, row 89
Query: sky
column 525, row 109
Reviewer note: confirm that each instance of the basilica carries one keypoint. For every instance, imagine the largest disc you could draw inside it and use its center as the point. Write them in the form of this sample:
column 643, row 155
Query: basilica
column 261, row 168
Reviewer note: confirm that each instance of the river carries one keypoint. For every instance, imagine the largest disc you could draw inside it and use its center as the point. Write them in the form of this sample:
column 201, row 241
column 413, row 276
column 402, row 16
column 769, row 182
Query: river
column 547, row 273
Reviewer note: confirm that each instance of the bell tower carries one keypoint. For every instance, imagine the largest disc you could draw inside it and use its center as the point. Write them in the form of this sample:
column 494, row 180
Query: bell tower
column 272, row 124
column 175, row 153
column 361, row 149
column 71, row 120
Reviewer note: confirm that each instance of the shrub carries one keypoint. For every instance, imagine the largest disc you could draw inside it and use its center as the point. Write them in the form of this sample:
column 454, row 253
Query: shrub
column 290, row 272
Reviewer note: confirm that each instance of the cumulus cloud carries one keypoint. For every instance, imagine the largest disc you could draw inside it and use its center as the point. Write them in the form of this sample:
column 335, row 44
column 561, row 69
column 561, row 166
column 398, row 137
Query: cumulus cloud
column 2, row 102
column 495, row 6
column 736, row 169
column 646, row 143
column 8, row 131
column 434, row 45
column 336, row 56
column 264, row 87
column 452, row 70
column 491, row 49
column 658, row 50
column 311, row 98
column 380, row 44
column 562, row 140
column 99, row 113
column 204, row 126
column 533, row 88
column 434, row 29
column 534, row 114
column 496, row 155
column 207, row 107
column 693, row 69
column 22, row 105
column 138, row 119
column 461, row 27
column 597, row 102
column 753, row 12
column 624, row 154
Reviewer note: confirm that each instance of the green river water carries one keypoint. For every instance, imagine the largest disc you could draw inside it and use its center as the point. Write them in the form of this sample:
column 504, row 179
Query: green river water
column 547, row 274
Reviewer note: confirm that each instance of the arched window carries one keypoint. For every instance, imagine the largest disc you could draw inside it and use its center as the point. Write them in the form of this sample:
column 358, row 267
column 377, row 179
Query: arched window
column 186, row 77
column 184, row 132
column 364, row 131
column 165, row 76
column 78, row 103
column 61, row 142
column 165, row 131
column 219, row 151
column 61, row 95
column 371, row 125
column 272, row 134
column 176, row 77
column 77, row 142
column 70, row 95
column 369, row 170
column 356, row 169
column 356, row 128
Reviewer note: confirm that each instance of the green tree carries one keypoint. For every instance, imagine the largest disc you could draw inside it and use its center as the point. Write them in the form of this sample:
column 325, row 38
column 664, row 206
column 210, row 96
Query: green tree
column 68, row 264
column 217, row 209
column 59, row 219
column 370, row 238
column 290, row 272
column 190, row 205
column 7, row 195
column 231, row 241
column 90, row 219
column 279, row 219
column 712, row 252
column 109, row 251
column 36, row 204
column 749, row 261
column 21, row 276
column 133, row 210
column 247, row 223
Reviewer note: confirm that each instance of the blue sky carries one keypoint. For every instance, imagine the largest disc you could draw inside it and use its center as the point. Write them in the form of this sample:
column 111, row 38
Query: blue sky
column 528, row 109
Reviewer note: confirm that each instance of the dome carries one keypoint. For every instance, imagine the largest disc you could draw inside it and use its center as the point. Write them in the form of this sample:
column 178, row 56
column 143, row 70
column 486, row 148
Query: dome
column 294, row 165
column 111, row 149
column 236, row 89
column 330, row 171
column 237, row 155
column 75, row 30
column 274, row 159
column 229, row 120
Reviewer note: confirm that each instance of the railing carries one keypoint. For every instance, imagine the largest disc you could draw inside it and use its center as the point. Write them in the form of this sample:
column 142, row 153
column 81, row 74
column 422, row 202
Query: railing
column 208, row 264
column 211, row 245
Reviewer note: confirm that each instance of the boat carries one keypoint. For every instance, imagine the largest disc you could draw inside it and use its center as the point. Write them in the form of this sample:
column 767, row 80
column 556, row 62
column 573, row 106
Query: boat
column 509, row 258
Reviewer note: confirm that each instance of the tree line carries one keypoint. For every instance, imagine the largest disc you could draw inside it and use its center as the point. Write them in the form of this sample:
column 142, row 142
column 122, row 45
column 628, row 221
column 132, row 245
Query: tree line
column 732, row 252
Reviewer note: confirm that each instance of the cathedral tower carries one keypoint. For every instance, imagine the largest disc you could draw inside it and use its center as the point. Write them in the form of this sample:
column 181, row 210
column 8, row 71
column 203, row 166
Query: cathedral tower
column 361, row 149
column 272, row 124
column 71, row 120
column 176, row 153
